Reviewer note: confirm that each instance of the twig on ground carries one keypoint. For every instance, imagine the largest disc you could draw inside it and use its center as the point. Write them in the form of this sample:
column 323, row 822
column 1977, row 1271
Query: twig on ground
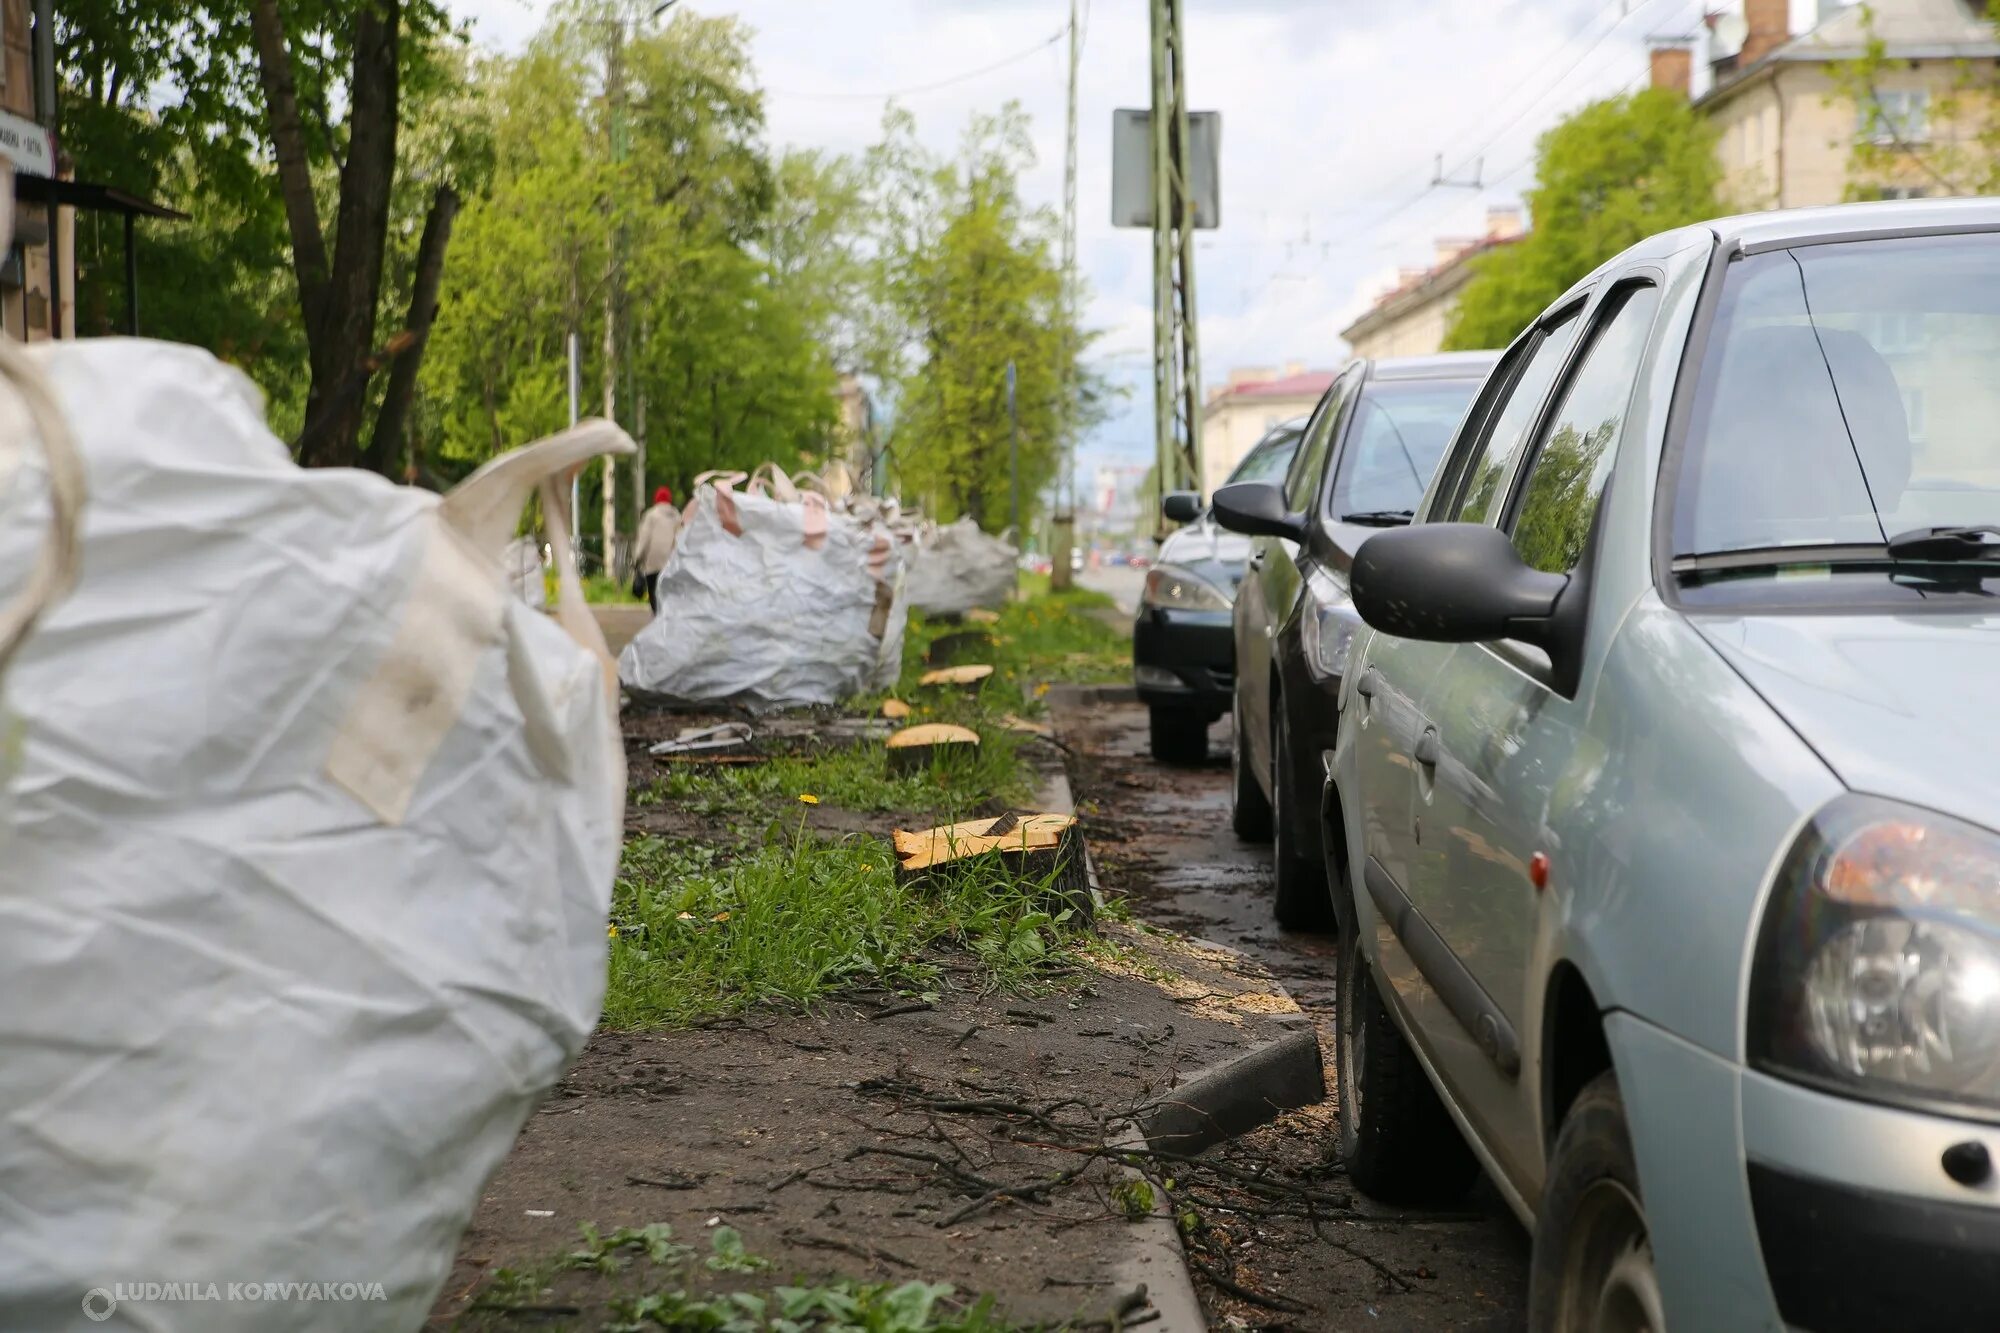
column 917, row 1007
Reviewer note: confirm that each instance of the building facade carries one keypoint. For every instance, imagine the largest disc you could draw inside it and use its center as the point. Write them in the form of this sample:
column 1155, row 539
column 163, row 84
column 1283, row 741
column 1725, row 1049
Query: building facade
column 1236, row 415
column 1412, row 317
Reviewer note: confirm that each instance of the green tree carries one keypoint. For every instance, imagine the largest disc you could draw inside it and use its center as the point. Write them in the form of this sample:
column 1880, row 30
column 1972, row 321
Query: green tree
column 968, row 283
column 1957, row 149
column 1607, row 177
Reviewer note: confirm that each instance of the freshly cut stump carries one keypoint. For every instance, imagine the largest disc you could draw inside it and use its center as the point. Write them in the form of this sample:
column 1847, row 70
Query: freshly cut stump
column 895, row 709
column 979, row 615
column 966, row 645
column 915, row 748
column 1042, row 853
column 966, row 678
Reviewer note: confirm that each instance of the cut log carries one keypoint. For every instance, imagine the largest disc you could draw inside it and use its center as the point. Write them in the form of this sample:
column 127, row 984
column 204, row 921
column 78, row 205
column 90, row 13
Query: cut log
column 979, row 615
column 965, row 678
column 895, row 708
column 916, row 748
column 1040, row 853
column 966, row 645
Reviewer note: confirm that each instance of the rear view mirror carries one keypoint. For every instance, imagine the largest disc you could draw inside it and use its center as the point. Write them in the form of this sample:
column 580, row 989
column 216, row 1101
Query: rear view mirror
column 1452, row 583
column 1181, row 506
column 1257, row 509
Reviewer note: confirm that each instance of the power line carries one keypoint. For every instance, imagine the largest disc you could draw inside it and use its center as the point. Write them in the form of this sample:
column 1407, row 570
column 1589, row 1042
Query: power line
column 914, row 89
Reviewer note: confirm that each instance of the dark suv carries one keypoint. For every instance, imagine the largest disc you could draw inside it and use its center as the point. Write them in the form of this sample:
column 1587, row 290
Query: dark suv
column 1182, row 659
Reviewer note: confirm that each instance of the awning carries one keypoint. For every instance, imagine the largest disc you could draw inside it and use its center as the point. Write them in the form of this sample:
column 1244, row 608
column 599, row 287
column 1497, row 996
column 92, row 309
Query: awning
column 83, row 194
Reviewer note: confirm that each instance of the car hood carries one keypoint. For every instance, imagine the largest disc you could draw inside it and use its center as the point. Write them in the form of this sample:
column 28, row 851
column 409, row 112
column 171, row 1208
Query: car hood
column 1899, row 706
column 1202, row 542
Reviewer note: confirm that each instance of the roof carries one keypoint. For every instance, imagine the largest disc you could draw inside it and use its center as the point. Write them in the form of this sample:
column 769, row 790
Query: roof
column 1311, row 384
column 1833, row 222
column 1435, row 284
column 1908, row 30
column 1443, row 366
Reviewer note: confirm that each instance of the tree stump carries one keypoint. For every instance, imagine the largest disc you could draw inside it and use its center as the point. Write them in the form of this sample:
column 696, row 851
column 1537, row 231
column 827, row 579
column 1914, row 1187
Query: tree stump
column 916, row 748
column 895, row 709
column 966, row 679
column 1040, row 853
column 966, row 645
column 979, row 615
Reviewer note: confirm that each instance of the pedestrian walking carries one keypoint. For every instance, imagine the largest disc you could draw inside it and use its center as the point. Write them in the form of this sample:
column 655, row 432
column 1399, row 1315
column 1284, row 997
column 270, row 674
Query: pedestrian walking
column 658, row 531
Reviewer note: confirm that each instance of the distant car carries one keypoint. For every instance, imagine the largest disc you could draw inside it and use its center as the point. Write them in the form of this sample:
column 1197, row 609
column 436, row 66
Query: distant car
column 1183, row 661
column 1370, row 449
column 1668, row 779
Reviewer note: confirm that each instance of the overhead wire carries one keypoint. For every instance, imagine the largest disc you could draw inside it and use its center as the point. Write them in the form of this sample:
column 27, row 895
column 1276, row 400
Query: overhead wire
column 931, row 87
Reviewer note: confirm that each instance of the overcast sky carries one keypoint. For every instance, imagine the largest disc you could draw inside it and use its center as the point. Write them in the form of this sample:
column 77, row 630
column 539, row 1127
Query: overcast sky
column 1333, row 115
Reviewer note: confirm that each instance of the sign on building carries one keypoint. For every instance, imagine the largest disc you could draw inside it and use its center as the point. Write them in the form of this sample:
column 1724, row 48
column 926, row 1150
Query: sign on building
column 29, row 146
column 1132, row 168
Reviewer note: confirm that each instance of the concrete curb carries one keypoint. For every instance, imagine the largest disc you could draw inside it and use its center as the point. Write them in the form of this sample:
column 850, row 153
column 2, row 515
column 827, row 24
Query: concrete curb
column 1158, row 1259
column 1235, row 1096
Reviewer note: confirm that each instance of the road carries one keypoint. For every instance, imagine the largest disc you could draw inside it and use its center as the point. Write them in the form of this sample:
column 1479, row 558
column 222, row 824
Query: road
column 1121, row 583
column 1161, row 836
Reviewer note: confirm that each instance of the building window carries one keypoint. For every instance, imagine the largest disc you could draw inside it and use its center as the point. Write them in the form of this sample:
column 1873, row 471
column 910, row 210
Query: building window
column 1894, row 116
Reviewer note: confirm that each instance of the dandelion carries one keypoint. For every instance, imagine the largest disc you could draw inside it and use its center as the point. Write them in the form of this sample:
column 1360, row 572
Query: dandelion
column 807, row 798
column 610, row 932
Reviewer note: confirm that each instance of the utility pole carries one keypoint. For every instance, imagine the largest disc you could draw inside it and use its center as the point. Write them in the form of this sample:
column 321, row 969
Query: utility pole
column 614, row 98
column 575, row 391
column 1176, row 355
column 1063, row 525
column 1013, row 459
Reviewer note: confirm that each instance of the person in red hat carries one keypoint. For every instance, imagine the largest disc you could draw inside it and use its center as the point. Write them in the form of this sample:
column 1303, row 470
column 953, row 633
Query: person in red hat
column 658, row 531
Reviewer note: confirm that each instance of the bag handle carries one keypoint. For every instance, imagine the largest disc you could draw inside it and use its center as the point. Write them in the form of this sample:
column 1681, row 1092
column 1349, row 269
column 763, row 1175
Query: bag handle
column 769, row 475
column 56, row 568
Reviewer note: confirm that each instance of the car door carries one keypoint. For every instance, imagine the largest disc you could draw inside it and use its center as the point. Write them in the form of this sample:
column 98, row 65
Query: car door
column 1271, row 585
column 1501, row 733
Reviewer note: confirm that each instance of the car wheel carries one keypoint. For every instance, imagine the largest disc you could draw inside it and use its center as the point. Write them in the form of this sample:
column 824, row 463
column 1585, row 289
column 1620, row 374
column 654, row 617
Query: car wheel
column 1180, row 735
column 1593, row 1265
column 1249, row 808
column 1396, row 1139
column 1302, row 901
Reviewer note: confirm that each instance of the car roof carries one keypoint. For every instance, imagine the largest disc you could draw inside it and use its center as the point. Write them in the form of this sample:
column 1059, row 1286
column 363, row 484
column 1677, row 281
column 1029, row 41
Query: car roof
column 1442, row 366
column 1862, row 221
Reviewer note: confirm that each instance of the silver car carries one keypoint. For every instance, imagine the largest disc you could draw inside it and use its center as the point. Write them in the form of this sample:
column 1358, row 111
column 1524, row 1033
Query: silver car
column 1669, row 775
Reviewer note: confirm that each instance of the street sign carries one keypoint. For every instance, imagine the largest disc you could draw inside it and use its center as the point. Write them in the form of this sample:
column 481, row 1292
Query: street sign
column 29, row 146
column 1132, row 168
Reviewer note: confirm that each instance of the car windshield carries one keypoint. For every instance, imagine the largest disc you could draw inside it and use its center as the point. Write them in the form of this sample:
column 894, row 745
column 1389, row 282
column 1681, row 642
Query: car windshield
column 1269, row 460
column 1401, row 429
column 1848, row 396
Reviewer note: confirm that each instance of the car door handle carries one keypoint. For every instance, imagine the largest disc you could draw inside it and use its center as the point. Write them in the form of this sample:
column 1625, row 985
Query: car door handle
column 1427, row 749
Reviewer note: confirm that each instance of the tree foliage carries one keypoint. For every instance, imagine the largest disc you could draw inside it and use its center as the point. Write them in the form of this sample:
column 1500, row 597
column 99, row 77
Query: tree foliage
column 1957, row 150
column 1607, row 177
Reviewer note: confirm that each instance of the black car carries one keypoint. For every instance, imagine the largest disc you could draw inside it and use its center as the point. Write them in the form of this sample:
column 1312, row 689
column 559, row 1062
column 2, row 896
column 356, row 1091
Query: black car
column 1366, row 458
column 1182, row 661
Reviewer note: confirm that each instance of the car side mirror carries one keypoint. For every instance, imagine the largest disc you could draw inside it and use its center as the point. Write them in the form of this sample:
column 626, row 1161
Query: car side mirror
column 1453, row 583
column 1257, row 509
column 1181, row 506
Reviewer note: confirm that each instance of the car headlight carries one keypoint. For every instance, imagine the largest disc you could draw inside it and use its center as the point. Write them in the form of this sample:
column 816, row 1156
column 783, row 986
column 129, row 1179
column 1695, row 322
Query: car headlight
column 1180, row 589
column 1328, row 623
column 1878, row 963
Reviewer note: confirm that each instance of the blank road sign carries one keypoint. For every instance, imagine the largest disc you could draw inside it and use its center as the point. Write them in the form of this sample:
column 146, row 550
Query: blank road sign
column 1132, row 168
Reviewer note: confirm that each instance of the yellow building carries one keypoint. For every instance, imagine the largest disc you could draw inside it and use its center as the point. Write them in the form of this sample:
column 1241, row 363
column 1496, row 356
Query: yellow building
column 1236, row 415
column 1410, row 319
column 1787, row 128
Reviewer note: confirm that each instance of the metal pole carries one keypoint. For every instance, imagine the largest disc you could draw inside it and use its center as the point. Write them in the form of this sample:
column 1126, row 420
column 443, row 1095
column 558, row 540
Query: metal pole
column 1190, row 348
column 1163, row 272
column 131, row 282
column 1013, row 458
column 1063, row 520
column 575, row 490
column 45, row 112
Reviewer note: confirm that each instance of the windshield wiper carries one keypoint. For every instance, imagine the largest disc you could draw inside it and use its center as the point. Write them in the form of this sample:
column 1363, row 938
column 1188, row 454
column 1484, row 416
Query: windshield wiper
column 1380, row 518
column 1947, row 543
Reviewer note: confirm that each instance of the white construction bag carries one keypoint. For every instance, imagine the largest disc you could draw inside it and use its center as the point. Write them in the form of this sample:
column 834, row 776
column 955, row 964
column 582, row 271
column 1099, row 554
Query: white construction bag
column 770, row 601
column 303, row 873
column 523, row 559
column 957, row 567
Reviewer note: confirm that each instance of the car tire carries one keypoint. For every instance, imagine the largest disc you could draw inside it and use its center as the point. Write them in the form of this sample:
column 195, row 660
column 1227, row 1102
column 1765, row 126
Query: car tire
column 1301, row 901
column 1593, row 1260
column 1179, row 735
column 1397, row 1141
column 1249, row 808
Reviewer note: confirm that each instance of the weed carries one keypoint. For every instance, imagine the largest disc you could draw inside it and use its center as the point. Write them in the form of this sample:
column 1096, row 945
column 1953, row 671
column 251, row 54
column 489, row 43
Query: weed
column 1134, row 1198
column 847, row 1306
column 728, row 1254
column 1047, row 637
column 854, row 777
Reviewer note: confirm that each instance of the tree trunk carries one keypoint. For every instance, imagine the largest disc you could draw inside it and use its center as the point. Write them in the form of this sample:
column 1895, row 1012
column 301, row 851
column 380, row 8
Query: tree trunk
column 387, row 450
column 338, row 301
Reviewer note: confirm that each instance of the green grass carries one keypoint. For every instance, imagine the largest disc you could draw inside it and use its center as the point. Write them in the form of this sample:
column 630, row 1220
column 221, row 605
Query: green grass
column 854, row 777
column 699, row 937
column 1048, row 637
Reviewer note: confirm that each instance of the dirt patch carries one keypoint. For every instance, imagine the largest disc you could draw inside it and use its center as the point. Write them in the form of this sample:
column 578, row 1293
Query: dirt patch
column 940, row 1143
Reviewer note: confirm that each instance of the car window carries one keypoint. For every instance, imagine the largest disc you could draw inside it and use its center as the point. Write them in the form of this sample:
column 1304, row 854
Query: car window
column 1269, row 461
column 1480, row 499
column 1567, row 476
column 1303, row 480
column 1401, row 429
column 1846, row 397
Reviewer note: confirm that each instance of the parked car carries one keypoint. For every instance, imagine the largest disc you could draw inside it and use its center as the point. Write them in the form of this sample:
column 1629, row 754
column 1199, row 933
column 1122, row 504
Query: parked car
column 1667, row 783
column 1368, row 452
column 1182, row 659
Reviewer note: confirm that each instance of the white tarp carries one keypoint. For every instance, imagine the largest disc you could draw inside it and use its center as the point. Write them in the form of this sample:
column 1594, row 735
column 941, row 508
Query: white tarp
column 304, row 866
column 771, row 602
column 957, row 567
